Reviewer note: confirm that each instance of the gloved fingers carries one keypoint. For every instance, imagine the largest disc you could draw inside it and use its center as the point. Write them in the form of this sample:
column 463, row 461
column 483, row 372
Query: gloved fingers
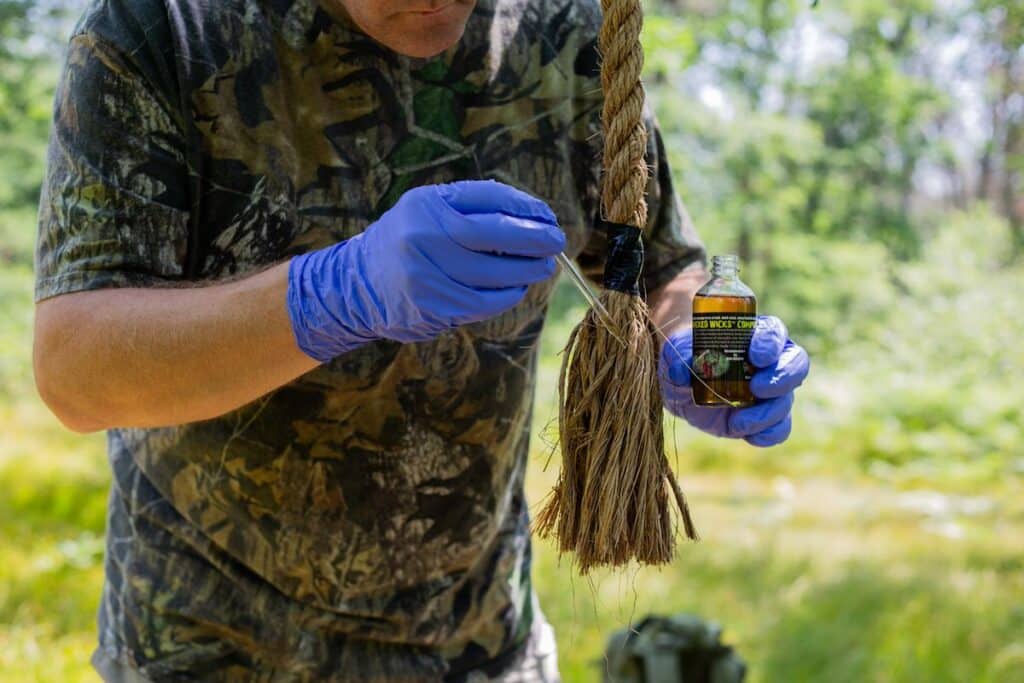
column 490, row 271
column 711, row 420
column 470, row 305
column 761, row 416
column 784, row 375
column 498, row 233
column 772, row 436
column 769, row 339
column 676, row 357
column 676, row 397
column 678, row 400
column 488, row 196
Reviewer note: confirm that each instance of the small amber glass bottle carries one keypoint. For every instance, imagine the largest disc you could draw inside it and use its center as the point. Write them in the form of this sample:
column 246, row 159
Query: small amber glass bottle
column 724, row 316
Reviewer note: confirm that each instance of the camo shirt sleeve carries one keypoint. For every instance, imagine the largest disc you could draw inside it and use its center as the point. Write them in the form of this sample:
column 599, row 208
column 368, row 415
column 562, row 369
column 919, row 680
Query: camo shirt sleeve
column 671, row 240
column 113, row 208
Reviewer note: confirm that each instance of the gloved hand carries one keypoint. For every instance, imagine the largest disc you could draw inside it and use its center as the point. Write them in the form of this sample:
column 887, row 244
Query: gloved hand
column 443, row 256
column 783, row 367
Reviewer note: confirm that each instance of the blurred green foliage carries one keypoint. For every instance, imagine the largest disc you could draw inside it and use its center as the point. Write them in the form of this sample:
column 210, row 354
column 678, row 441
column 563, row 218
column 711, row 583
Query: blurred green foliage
column 865, row 160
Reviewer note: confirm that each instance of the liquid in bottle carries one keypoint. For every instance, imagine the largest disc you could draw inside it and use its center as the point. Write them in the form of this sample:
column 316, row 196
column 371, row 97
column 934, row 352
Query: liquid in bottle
column 724, row 316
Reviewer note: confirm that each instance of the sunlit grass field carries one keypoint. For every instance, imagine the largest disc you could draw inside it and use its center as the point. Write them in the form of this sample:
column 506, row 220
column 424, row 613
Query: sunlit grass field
column 818, row 573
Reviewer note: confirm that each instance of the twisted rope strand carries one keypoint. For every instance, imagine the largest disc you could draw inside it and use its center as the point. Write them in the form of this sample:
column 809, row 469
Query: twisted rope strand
column 625, row 143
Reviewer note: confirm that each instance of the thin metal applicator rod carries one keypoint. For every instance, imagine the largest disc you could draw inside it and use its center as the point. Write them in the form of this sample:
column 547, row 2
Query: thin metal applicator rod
column 581, row 283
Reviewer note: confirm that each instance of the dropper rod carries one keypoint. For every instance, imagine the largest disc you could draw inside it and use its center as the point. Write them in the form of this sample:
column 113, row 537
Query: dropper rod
column 581, row 283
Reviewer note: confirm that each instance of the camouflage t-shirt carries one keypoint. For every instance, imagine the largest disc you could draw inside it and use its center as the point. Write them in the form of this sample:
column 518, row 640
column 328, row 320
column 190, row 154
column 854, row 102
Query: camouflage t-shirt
column 367, row 521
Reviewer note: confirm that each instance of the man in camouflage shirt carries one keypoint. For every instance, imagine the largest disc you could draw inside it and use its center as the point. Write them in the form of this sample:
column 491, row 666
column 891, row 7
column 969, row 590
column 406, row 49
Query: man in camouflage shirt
column 273, row 518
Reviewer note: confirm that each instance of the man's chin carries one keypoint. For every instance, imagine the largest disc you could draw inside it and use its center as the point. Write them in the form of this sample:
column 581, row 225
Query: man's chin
column 429, row 34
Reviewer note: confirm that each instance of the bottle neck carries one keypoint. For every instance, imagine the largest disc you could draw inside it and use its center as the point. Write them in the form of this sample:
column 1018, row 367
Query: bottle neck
column 725, row 267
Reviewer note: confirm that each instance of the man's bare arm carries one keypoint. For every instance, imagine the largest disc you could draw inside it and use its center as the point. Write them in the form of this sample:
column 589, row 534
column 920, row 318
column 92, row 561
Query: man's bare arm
column 671, row 305
column 157, row 357
column 444, row 255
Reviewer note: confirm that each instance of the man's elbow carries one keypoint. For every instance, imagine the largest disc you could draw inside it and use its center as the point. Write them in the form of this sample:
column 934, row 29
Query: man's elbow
column 56, row 386
column 57, row 397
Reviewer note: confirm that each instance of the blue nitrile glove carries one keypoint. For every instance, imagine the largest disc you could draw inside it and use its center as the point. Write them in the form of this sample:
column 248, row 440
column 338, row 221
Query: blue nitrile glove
column 443, row 256
column 783, row 366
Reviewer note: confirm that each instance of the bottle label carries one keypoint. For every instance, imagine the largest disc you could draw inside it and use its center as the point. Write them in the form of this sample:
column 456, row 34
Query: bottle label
column 720, row 345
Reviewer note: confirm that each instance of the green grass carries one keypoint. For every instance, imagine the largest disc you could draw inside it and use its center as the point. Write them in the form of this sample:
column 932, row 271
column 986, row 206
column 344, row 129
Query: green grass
column 51, row 526
column 819, row 570
column 820, row 580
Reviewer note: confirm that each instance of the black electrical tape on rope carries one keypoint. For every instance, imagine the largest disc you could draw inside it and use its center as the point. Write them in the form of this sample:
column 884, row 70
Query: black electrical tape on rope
column 625, row 257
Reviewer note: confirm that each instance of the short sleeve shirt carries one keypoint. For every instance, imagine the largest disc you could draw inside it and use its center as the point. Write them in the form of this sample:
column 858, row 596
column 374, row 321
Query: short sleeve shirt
column 367, row 521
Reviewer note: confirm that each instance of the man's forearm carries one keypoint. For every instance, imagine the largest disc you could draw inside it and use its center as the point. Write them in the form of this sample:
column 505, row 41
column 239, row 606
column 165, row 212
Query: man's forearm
column 671, row 305
column 156, row 357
